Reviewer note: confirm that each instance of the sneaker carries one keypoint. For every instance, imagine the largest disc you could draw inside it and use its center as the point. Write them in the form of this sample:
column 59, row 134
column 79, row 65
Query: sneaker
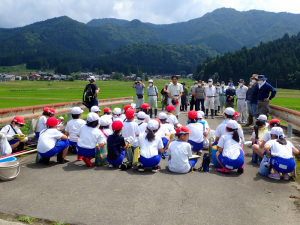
column 141, row 168
column 88, row 162
column 241, row 170
column 285, row 176
column 63, row 161
column 79, row 158
column 200, row 152
column 274, row 176
column 226, row 171
column 110, row 166
column 155, row 169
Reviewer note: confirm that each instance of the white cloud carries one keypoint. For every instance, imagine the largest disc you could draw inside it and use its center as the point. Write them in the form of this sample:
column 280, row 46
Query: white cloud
column 16, row 13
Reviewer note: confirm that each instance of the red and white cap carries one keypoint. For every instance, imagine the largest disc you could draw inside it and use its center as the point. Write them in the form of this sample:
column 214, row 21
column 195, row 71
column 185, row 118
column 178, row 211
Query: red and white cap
column 126, row 107
column 232, row 124
column 107, row 110
column 130, row 113
column 46, row 109
column 92, row 117
column 274, row 121
column 95, row 109
column 278, row 131
column 192, row 114
column 117, row 125
column 52, row 122
column 19, row 120
column 52, row 111
column 182, row 130
column 162, row 116
column 236, row 115
column 229, row 111
column 170, row 108
column 145, row 106
column 76, row 110
column 153, row 125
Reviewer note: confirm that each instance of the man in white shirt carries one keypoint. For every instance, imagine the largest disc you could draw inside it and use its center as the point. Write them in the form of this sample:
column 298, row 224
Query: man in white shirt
column 175, row 90
column 152, row 93
column 209, row 94
column 241, row 92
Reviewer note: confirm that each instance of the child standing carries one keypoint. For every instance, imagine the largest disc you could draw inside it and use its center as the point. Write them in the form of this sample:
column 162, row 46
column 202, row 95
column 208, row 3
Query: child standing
column 171, row 117
column 123, row 117
column 196, row 136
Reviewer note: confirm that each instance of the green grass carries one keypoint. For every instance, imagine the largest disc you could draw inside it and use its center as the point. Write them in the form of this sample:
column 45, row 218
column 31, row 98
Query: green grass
column 291, row 103
column 26, row 219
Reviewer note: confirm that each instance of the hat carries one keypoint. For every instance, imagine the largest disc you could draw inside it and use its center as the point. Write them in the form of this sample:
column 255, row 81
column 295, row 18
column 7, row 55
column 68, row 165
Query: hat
column 231, row 85
column 117, row 125
column 192, row 114
column 46, row 109
column 278, row 131
column 262, row 117
column 195, row 82
column 126, row 107
column 138, row 78
column 274, row 121
column 229, row 111
column 254, row 76
column 232, row 124
column 92, row 117
column 261, row 77
column 104, row 121
column 52, row 111
column 153, row 125
column 199, row 115
column 130, row 113
column 19, row 120
column 141, row 115
column 222, row 82
column 52, row 122
column 95, row 109
column 107, row 110
column 236, row 115
column 117, row 111
column 241, row 80
column 182, row 130
column 217, row 83
column 170, row 108
column 77, row 110
column 162, row 116
column 150, row 81
column 145, row 106
column 92, row 78
column 202, row 113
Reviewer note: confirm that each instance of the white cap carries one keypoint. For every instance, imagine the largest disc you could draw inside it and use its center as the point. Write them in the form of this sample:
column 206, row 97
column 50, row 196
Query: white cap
column 199, row 115
column 117, row 111
column 229, row 111
column 92, row 78
column 153, row 125
column 95, row 109
column 141, row 115
column 92, row 117
column 105, row 121
column 76, row 110
column 162, row 116
column 232, row 124
column 278, row 131
column 150, row 81
column 262, row 117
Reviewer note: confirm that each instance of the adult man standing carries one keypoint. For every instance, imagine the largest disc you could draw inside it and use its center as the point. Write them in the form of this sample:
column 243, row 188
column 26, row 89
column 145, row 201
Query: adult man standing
column 164, row 97
column 253, row 98
column 199, row 95
column 263, row 96
column 193, row 99
column 174, row 92
column 90, row 93
column 241, row 103
column 152, row 93
column 184, row 98
column 209, row 93
column 230, row 93
column 222, row 96
column 217, row 99
column 139, row 86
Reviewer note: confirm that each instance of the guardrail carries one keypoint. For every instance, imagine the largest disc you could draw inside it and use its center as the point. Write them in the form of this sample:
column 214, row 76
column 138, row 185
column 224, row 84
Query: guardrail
column 31, row 112
column 290, row 116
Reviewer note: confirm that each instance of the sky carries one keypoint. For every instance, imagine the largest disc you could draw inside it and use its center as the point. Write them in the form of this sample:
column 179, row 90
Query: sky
column 18, row 13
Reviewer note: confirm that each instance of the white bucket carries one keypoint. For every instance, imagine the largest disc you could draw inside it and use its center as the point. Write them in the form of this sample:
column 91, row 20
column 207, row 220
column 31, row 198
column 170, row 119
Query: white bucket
column 9, row 170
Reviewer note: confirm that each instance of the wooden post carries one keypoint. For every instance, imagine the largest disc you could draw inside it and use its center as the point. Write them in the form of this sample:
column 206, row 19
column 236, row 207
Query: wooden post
column 289, row 130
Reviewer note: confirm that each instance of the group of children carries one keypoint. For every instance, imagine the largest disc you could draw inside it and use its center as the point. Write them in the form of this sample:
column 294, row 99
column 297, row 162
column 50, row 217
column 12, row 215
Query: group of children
column 122, row 133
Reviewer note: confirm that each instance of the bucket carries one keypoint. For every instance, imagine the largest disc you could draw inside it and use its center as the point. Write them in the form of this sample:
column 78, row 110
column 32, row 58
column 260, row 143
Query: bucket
column 214, row 159
column 10, row 159
column 9, row 170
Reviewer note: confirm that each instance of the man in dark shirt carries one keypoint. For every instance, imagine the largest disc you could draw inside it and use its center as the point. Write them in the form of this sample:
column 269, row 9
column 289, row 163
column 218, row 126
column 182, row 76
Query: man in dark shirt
column 184, row 97
column 230, row 94
column 92, row 95
column 252, row 99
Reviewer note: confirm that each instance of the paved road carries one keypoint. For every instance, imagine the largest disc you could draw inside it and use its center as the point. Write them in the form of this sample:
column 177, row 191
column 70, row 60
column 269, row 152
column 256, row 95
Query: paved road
column 75, row 194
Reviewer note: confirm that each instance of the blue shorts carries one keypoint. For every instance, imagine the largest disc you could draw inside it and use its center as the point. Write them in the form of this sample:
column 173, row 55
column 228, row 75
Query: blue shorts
column 37, row 135
column 59, row 146
column 150, row 162
column 196, row 146
column 165, row 141
column 86, row 152
column 119, row 160
column 72, row 143
column 283, row 165
column 232, row 164
column 191, row 161
column 12, row 142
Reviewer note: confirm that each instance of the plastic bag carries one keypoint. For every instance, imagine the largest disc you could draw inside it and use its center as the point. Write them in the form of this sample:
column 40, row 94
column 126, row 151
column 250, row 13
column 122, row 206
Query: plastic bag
column 136, row 156
column 5, row 148
column 263, row 170
column 101, row 155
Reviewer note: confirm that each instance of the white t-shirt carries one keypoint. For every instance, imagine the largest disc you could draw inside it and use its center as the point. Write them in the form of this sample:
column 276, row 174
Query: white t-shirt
column 147, row 119
column 172, row 119
column 150, row 149
column 266, row 137
column 41, row 124
column 282, row 151
column 221, row 130
column 123, row 118
column 73, row 127
column 166, row 128
column 197, row 132
column 107, row 131
column 48, row 139
column 142, row 125
column 210, row 91
column 241, row 92
column 231, row 148
column 89, row 137
column 180, row 152
column 8, row 130
column 131, row 130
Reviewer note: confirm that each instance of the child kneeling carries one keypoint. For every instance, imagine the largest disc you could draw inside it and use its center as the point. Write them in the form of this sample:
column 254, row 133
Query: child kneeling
column 230, row 155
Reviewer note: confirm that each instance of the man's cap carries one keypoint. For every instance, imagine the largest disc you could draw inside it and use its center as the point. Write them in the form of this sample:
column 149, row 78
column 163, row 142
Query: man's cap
column 241, row 80
column 92, row 78
column 254, row 76
column 52, row 122
column 138, row 78
column 170, row 108
column 261, row 77
column 141, row 115
column 231, row 85
column 192, row 114
column 95, row 109
column 195, row 82
column 278, row 131
column 107, row 110
column 92, row 117
column 222, row 82
column 117, row 111
column 145, row 106
column 182, row 130
column 19, row 120
column 130, row 113
column 217, row 83
column 162, row 116
column 232, row 124
column 126, row 107
column 272, row 121
column 105, row 121
column 76, row 110
column 229, row 111
column 262, row 117
column 153, row 125
column 117, row 125
column 150, row 81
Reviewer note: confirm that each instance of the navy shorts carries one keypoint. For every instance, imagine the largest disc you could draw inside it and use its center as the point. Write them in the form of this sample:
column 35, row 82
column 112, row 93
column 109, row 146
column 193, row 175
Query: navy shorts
column 37, row 135
column 59, row 146
column 196, row 146
column 86, row 152
column 283, row 165
column 119, row 160
column 12, row 142
column 150, row 162
column 232, row 164
column 165, row 141
column 72, row 143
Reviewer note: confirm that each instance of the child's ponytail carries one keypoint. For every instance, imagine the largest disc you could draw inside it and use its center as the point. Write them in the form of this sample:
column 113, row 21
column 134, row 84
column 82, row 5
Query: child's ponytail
column 235, row 135
column 150, row 135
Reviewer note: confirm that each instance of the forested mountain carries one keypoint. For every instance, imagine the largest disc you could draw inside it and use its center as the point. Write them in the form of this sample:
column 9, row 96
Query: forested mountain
column 66, row 43
column 278, row 60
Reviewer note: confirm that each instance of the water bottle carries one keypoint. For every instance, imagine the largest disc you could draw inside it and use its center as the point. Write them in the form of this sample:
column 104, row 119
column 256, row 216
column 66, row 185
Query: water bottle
column 254, row 157
column 206, row 162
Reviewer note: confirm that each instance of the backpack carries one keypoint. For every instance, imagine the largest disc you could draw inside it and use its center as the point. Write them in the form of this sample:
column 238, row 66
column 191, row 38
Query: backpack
column 34, row 123
column 88, row 95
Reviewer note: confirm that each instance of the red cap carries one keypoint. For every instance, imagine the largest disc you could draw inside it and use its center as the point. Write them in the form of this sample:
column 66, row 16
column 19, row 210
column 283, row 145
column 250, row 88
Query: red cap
column 170, row 108
column 46, row 109
column 236, row 114
column 117, row 125
column 130, row 113
column 274, row 121
column 52, row 111
column 145, row 106
column 193, row 114
column 126, row 107
column 52, row 122
column 107, row 110
column 182, row 130
column 19, row 119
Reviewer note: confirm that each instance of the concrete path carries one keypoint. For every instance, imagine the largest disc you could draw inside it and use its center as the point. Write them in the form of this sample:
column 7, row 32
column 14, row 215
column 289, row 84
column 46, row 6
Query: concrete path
column 75, row 194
